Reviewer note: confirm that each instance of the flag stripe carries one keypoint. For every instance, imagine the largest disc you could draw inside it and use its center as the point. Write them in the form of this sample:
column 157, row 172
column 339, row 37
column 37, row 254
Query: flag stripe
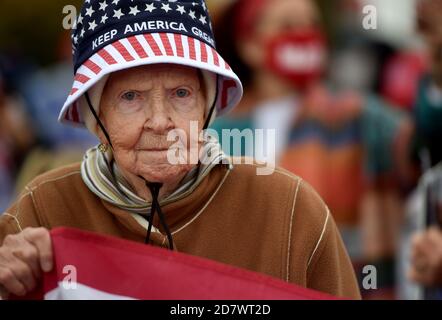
column 203, row 52
column 138, row 47
column 73, row 91
column 191, row 48
column 215, row 57
column 166, row 44
column 81, row 78
column 106, row 56
column 92, row 66
column 179, row 45
column 153, row 44
column 96, row 257
column 123, row 51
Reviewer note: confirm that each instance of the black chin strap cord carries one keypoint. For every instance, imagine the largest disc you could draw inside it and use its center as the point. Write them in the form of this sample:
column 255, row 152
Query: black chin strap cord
column 94, row 113
column 213, row 107
column 154, row 188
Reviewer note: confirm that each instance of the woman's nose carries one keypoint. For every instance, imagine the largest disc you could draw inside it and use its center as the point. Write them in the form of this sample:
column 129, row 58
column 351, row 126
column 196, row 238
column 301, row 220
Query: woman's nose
column 158, row 120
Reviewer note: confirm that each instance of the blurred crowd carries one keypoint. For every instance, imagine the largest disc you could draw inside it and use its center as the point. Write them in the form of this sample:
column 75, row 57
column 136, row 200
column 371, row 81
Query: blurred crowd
column 357, row 113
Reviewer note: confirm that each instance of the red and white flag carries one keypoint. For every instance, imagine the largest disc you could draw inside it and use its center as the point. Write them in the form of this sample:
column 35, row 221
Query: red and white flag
column 96, row 267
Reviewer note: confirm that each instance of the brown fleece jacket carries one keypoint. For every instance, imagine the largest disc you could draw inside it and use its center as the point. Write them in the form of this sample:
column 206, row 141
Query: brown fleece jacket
column 274, row 224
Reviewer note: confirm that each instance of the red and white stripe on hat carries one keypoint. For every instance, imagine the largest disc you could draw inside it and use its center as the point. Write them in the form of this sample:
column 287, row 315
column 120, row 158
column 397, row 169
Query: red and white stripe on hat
column 153, row 48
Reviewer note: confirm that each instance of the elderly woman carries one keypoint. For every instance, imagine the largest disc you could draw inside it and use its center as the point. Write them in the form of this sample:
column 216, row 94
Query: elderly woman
column 144, row 70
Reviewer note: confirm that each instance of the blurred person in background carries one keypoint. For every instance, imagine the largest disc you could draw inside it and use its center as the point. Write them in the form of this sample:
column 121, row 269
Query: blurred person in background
column 425, row 204
column 426, row 258
column 37, row 65
column 16, row 138
column 349, row 144
column 428, row 106
column 384, row 64
column 270, row 100
column 44, row 90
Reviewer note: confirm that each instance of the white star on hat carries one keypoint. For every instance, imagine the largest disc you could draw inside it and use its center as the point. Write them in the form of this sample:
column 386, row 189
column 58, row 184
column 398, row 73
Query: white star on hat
column 180, row 9
column 165, row 7
column 92, row 25
column 115, row 2
column 134, row 10
column 150, row 7
column 103, row 5
column 192, row 14
column 203, row 20
column 79, row 20
column 118, row 14
column 90, row 11
column 104, row 18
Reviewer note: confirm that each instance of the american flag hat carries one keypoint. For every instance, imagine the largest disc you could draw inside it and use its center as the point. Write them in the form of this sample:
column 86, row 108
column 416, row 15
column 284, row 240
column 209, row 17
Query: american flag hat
column 112, row 35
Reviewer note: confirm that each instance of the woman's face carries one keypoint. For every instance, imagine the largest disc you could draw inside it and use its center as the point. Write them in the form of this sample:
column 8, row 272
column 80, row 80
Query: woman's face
column 286, row 15
column 277, row 17
column 140, row 106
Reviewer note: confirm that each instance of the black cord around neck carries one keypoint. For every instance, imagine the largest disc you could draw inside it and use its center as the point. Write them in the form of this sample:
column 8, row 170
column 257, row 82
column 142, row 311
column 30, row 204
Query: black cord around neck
column 154, row 188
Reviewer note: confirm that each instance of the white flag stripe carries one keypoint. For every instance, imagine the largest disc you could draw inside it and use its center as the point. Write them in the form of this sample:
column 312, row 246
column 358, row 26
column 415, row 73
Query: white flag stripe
column 86, row 71
column 210, row 59
column 145, row 45
column 130, row 48
column 157, row 39
column 172, row 42
column 64, row 291
column 99, row 61
column 115, row 54
column 185, row 47
column 198, row 51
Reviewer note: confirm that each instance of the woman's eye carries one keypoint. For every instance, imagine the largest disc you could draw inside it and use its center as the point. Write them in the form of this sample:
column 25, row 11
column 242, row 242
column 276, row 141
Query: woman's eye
column 129, row 96
column 182, row 93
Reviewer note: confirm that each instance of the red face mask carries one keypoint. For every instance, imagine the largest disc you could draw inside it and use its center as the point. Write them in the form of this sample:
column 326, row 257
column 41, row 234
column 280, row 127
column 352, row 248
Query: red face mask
column 299, row 57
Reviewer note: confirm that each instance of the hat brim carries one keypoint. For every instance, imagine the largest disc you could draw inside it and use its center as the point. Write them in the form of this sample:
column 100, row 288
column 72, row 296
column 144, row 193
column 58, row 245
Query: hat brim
column 146, row 49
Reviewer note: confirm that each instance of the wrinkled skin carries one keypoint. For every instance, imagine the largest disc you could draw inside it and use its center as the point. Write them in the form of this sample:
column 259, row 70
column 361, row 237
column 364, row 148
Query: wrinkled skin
column 138, row 109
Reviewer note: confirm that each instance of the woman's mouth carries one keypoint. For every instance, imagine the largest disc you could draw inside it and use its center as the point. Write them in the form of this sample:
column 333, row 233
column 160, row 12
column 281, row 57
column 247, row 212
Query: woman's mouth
column 155, row 149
